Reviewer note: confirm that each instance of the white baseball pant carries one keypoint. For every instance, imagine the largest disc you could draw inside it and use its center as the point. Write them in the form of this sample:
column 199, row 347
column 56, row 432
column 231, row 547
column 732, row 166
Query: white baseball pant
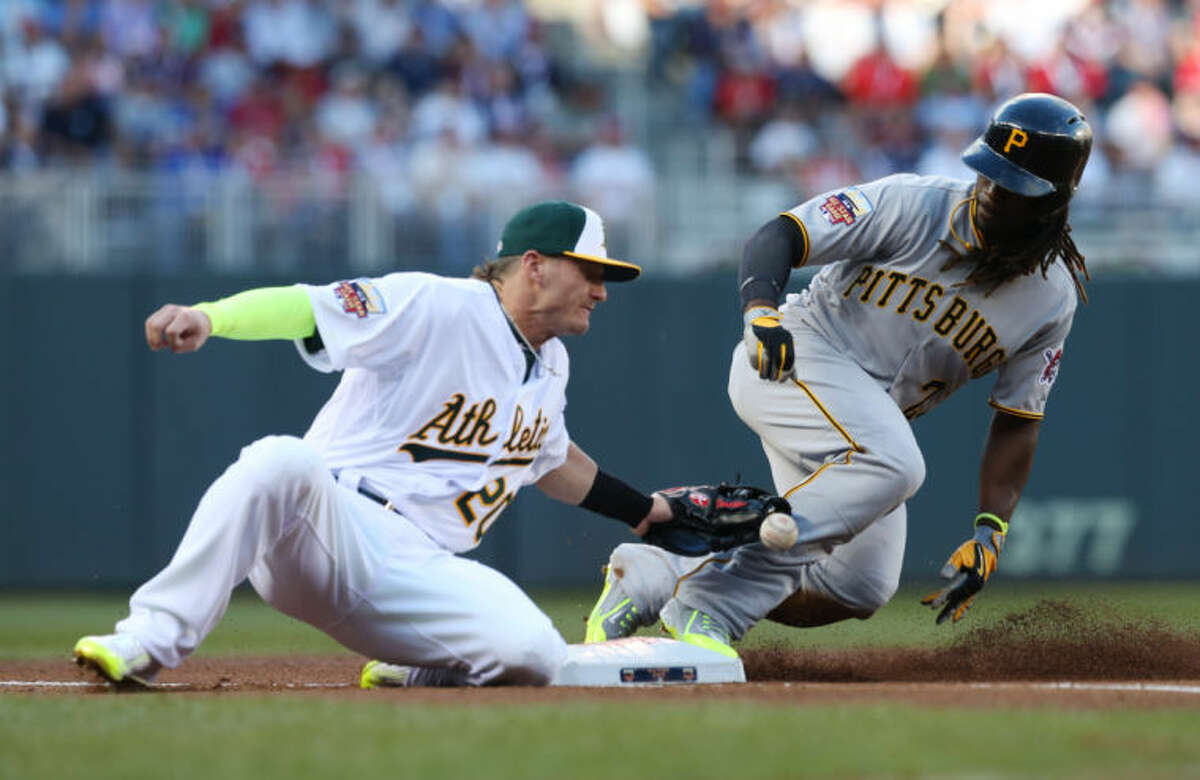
column 328, row 556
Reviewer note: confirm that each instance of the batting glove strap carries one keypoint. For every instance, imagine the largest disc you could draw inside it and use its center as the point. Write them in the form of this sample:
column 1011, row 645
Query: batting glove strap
column 995, row 521
column 768, row 344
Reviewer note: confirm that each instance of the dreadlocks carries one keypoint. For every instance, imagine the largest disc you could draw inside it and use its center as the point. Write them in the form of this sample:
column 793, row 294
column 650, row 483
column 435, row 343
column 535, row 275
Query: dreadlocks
column 993, row 266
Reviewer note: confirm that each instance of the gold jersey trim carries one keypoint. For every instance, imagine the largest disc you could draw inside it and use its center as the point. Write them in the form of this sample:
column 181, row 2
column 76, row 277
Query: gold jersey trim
column 854, row 446
column 803, row 232
column 970, row 221
column 705, row 562
column 840, row 428
column 1016, row 412
column 845, row 462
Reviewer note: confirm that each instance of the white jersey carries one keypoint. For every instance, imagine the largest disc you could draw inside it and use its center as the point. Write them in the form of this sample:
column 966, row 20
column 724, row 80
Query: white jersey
column 884, row 300
column 433, row 410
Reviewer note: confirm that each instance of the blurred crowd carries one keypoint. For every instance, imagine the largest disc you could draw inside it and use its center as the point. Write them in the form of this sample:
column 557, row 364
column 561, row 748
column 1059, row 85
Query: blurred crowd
column 827, row 92
column 447, row 102
column 444, row 103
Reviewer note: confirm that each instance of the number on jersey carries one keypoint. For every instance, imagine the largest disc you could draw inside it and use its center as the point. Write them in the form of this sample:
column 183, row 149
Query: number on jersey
column 480, row 508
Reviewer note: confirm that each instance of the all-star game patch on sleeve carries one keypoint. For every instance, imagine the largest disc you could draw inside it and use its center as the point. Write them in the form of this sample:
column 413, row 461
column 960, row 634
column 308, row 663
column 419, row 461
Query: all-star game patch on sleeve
column 360, row 297
column 851, row 222
column 368, row 323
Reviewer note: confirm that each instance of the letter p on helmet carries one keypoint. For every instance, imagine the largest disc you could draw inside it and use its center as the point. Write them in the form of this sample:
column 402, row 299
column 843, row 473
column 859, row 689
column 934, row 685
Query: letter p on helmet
column 1016, row 137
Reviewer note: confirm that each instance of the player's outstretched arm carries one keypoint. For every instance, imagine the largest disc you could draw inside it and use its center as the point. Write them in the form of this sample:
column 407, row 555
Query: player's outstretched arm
column 580, row 482
column 1007, row 461
column 262, row 313
column 178, row 328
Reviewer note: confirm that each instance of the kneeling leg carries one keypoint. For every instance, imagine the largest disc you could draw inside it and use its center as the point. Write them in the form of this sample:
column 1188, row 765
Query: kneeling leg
column 854, row 581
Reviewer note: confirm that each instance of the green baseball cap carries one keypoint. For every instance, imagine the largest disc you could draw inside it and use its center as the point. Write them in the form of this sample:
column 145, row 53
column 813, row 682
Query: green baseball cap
column 557, row 227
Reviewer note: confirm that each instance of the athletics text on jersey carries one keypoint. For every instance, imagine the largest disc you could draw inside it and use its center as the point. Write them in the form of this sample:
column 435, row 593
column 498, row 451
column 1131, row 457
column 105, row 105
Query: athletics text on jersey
column 433, row 410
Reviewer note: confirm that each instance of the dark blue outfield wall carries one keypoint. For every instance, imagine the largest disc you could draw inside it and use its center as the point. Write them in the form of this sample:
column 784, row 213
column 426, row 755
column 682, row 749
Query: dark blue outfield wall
column 108, row 447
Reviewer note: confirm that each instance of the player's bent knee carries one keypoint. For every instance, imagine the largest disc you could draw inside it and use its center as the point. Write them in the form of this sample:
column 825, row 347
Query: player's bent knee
column 278, row 461
column 809, row 610
column 647, row 573
column 908, row 465
column 857, row 597
column 869, row 600
column 632, row 554
column 528, row 658
column 916, row 472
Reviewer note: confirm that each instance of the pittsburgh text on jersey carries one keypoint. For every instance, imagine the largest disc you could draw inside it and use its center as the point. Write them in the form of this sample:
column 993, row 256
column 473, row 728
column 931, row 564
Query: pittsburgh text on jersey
column 460, row 429
column 925, row 301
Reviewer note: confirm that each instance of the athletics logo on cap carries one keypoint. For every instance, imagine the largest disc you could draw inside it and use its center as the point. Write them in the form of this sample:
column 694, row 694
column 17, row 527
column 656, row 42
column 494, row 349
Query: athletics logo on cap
column 558, row 227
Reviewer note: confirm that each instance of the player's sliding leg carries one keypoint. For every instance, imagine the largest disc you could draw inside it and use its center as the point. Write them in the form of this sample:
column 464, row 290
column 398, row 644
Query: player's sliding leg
column 844, row 456
column 316, row 551
column 855, row 580
column 452, row 620
column 257, row 501
column 638, row 581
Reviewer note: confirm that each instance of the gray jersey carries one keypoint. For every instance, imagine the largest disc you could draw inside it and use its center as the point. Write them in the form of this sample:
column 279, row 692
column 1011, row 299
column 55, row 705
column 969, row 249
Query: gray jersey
column 884, row 300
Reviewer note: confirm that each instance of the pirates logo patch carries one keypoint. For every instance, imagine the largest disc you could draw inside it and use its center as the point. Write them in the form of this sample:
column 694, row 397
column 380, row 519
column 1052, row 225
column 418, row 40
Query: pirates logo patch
column 1050, row 372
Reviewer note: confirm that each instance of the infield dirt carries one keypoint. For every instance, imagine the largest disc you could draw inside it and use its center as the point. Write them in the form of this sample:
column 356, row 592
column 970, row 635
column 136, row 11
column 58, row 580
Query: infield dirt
column 1016, row 661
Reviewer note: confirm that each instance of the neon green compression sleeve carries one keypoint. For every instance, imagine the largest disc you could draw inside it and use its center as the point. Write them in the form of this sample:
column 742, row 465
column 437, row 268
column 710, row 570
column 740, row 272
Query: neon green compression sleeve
column 262, row 313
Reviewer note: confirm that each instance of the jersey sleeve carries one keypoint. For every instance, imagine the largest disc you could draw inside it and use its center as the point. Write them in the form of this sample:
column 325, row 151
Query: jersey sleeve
column 851, row 223
column 369, row 323
column 1023, row 382
column 552, row 454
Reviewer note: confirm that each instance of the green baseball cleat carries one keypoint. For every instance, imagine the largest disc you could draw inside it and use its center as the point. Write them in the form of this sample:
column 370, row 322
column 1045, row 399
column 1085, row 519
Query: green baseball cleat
column 118, row 658
column 614, row 616
column 378, row 674
column 696, row 628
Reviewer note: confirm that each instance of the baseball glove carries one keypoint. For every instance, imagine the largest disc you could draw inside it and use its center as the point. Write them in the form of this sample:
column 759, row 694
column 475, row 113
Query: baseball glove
column 711, row 518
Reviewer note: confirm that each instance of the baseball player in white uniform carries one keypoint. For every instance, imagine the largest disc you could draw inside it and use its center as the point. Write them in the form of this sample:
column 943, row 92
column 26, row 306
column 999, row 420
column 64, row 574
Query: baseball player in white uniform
column 926, row 283
column 451, row 399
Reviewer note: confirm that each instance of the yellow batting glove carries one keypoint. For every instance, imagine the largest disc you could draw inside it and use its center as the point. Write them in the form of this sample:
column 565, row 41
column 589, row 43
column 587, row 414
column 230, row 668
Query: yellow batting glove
column 969, row 568
column 768, row 344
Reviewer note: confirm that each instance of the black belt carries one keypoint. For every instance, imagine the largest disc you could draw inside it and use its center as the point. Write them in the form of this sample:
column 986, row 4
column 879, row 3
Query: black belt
column 378, row 499
column 386, row 503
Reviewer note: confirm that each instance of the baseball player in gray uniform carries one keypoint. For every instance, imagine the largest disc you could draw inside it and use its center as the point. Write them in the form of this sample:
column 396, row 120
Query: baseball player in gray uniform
column 926, row 283
column 452, row 398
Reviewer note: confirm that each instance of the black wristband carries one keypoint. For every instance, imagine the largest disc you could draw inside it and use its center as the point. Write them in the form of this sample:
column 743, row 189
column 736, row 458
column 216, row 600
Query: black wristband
column 314, row 343
column 613, row 498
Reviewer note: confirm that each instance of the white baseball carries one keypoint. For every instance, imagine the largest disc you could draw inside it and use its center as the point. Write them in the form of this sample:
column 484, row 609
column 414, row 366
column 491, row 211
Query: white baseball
column 778, row 531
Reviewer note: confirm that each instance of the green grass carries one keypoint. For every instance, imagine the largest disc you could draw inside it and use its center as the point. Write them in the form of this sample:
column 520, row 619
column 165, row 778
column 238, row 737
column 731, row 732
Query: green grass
column 287, row 736
column 47, row 624
column 36, row 625
column 291, row 735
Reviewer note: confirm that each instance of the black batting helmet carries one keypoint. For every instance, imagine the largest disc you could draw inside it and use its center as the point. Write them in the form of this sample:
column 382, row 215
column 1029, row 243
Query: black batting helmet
column 1035, row 145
